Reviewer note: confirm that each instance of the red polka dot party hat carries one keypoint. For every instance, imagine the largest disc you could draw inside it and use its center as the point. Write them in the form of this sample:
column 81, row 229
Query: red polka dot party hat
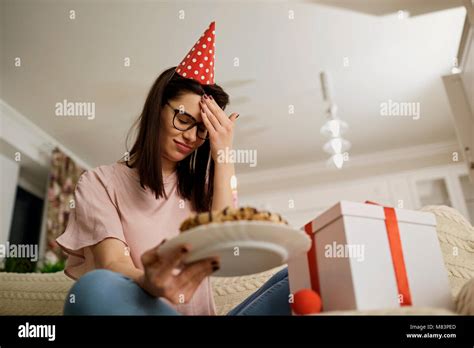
column 198, row 64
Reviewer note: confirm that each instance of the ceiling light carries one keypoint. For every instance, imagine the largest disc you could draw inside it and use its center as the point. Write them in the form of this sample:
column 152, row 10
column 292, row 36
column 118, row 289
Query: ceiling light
column 337, row 146
column 333, row 127
column 338, row 160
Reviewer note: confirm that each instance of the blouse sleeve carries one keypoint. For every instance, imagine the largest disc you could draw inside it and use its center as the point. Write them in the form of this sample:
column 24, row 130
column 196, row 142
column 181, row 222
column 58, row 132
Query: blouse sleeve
column 93, row 219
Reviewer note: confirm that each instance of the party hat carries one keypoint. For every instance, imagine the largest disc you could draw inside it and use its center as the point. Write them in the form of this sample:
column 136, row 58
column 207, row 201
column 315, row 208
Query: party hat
column 198, row 64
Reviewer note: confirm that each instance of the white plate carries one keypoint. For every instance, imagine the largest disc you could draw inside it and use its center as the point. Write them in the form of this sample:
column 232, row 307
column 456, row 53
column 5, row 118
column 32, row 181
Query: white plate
column 244, row 247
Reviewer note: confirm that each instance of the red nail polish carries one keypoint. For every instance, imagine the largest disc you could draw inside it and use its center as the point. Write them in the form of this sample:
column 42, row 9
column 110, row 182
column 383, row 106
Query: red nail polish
column 211, row 97
column 205, row 96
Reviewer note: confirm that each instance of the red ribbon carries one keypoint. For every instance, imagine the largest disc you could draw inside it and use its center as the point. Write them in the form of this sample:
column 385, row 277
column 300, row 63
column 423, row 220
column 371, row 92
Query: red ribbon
column 313, row 260
column 396, row 250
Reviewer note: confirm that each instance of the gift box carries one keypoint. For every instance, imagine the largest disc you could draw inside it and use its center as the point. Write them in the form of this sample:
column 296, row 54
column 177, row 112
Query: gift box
column 365, row 256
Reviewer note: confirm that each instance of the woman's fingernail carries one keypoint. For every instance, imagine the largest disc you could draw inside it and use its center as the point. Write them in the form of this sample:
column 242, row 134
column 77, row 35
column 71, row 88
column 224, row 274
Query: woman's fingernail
column 205, row 96
column 184, row 250
column 214, row 263
column 211, row 97
column 215, row 268
column 236, row 117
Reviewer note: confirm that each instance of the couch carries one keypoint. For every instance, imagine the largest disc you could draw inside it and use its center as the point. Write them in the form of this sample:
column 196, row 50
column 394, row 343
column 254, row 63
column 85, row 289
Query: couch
column 44, row 294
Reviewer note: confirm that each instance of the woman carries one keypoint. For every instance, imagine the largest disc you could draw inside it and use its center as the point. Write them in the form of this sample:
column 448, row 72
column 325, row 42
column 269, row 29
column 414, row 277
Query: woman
column 124, row 209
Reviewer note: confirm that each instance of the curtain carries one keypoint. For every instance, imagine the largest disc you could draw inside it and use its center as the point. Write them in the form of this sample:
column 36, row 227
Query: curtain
column 63, row 176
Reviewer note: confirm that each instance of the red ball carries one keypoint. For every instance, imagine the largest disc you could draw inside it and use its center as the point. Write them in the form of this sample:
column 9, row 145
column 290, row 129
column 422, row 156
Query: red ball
column 306, row 301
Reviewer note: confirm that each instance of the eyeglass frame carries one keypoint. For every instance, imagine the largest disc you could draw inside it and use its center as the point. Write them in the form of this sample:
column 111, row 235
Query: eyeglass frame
column 178, row 111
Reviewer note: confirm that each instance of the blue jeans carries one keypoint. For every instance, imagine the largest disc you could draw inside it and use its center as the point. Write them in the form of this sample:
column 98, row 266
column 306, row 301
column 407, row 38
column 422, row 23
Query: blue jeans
column 103, row 292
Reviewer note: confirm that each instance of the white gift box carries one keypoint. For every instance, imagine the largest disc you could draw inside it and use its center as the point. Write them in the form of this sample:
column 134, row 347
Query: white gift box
column 366, row 256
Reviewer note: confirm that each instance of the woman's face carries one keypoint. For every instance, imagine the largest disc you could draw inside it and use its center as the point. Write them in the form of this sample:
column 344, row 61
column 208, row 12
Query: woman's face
column 175, row 144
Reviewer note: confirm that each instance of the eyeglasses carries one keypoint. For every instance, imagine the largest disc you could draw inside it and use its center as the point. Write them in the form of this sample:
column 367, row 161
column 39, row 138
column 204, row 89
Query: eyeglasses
column 183, row 121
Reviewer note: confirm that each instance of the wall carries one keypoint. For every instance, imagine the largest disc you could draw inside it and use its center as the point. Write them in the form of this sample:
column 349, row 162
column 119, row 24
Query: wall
column 398, row 189
column 21, row 136
column 8, row 179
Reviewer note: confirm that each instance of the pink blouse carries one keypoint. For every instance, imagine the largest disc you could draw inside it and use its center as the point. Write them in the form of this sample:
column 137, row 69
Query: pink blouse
column 110, row 203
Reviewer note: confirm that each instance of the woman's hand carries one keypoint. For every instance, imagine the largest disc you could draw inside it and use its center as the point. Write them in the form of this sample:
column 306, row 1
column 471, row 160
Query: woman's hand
column 219, row 126
column 159, row 278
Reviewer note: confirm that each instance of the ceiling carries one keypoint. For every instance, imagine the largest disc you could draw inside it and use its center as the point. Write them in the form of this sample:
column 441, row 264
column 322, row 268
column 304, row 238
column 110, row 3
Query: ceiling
column 279, row 64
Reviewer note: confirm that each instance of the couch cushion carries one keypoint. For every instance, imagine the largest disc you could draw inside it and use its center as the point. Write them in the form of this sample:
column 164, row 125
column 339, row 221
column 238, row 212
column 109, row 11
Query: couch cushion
column 230, row 291
column 456, row 238
column 33, row 293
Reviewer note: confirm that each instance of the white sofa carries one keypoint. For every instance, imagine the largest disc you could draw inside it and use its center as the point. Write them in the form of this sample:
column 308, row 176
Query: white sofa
column 44, row 294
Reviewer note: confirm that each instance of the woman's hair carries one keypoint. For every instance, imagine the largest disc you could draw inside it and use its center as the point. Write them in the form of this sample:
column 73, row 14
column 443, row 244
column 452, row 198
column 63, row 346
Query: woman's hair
column 195, row 172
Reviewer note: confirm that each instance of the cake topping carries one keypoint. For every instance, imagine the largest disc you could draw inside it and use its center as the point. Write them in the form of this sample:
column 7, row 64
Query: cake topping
column 231, row 214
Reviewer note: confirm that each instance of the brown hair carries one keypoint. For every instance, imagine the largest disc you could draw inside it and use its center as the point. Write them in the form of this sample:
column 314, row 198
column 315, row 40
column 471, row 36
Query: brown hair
column 195, row 172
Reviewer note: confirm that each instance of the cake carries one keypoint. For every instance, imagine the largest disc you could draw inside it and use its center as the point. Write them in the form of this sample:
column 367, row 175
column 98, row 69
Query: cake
column 231, row 214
